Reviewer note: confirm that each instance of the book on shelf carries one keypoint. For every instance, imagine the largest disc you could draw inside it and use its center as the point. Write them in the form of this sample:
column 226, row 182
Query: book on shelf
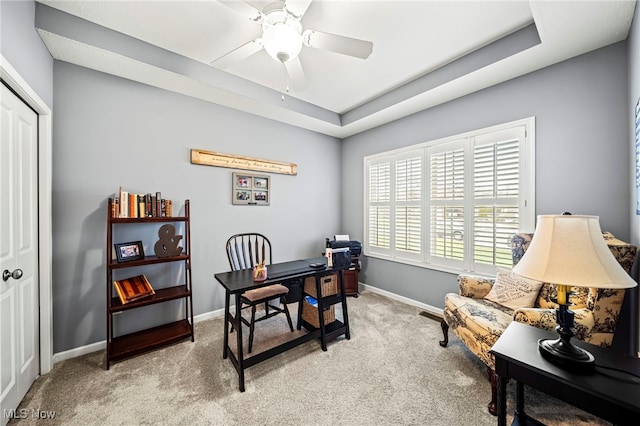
column 133, row 288
column 167, row 208
column 148, row 209
column 115, row 208
column 142, row 206
column 131, row 205
column 123, row 202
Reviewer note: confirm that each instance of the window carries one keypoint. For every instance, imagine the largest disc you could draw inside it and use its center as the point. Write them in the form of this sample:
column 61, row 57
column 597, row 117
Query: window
column 452, row 204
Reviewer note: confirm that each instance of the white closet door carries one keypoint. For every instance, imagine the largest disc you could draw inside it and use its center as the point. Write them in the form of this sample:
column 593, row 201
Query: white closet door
column 19, row 332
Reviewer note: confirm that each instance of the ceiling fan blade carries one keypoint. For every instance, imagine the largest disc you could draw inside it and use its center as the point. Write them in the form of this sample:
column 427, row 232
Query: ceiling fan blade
column 297, row 8
column 296, row 74
column 245, row 9
column 238, row 54
column 337, row 43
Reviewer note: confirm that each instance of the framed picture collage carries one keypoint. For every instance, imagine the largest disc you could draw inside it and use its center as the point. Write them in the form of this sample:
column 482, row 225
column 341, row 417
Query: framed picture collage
column 251, row 189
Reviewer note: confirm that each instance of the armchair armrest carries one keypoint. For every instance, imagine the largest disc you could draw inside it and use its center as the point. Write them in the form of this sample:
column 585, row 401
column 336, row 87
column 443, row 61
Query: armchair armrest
column 474, row 286
column 537, row 317
column 584, row 320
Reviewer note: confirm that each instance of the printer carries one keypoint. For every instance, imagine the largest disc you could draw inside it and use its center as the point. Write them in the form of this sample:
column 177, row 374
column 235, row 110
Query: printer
column 355, row 247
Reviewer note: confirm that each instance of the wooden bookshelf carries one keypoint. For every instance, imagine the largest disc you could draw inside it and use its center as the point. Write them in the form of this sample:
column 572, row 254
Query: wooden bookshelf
column 123, row 346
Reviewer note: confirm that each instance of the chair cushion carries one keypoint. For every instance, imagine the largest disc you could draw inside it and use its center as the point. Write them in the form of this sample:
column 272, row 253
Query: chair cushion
column 477, row 322
column 268, row 292
column 513, row 291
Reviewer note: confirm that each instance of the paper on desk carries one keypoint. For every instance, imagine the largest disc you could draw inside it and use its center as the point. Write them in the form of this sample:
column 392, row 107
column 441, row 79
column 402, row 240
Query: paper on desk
column 341, row 237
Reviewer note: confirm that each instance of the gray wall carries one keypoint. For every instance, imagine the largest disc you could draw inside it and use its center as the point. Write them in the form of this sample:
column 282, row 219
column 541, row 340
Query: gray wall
column 582, row 152
column 21, row 45
column 111, row 132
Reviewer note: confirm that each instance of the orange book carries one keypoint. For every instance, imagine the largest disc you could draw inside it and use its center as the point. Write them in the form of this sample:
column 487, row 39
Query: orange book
column 133, row 205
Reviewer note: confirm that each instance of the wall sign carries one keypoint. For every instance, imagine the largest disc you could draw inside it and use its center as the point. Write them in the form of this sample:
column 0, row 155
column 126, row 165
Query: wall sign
column 217, row 159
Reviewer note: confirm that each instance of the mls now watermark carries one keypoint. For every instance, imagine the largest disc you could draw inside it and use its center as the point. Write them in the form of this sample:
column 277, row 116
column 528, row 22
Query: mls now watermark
column 25, row 413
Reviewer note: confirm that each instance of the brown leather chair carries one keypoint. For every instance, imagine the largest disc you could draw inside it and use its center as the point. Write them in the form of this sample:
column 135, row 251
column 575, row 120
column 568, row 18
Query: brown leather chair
column 245, row 251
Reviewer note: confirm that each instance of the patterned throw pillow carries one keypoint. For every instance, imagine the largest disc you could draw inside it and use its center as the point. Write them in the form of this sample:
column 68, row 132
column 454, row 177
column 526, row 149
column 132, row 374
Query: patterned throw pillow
column 513, row 291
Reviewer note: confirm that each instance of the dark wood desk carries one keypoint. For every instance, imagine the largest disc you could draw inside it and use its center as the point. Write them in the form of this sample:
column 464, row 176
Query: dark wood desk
column 607, row 393
column 237, row 282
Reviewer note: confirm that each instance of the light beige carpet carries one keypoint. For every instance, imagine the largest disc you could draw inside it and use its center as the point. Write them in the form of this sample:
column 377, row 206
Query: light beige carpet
column 391, row 372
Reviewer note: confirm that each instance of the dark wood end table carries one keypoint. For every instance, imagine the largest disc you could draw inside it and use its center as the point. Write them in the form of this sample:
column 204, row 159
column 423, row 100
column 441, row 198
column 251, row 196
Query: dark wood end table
column 607, row 393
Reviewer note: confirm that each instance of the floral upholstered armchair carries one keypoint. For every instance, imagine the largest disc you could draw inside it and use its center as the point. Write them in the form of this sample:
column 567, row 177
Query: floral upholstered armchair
column 596, row 310
column 479, row 322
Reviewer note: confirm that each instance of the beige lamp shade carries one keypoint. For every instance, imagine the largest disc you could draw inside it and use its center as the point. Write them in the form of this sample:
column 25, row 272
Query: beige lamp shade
column 570, row 250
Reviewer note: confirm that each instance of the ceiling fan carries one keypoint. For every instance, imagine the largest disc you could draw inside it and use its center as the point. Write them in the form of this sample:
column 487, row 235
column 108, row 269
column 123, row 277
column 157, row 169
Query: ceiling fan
column 283, row 37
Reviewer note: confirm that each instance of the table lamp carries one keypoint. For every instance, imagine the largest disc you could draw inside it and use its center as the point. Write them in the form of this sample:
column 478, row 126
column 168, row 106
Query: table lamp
column 570, row 251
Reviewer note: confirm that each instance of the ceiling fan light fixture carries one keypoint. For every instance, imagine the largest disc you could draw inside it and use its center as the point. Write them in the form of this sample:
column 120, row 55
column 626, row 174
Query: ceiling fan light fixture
column 282, row 38
column 282, row 41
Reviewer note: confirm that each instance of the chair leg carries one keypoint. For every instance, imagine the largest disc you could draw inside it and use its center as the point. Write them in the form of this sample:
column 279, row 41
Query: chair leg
column 445, row 333
column 286, row 312
column 252, row 327
column 493, row 379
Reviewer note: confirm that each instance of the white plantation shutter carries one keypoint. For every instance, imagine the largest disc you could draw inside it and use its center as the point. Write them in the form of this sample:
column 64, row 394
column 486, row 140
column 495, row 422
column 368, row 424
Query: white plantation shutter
column 379, row 207
column 394, row 206
column 446, row 199
column 496, row 195
column 408, row 208
column 452, row 204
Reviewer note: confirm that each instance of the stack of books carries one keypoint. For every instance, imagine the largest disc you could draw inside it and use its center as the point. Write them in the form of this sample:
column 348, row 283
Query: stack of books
column 129, row 204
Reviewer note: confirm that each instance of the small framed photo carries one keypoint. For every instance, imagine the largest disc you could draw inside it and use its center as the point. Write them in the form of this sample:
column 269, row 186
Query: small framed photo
column 260, row 197
column 250, row 189
column 243, row 196
column 242, row 181
column 259, row 182
column 126, row 252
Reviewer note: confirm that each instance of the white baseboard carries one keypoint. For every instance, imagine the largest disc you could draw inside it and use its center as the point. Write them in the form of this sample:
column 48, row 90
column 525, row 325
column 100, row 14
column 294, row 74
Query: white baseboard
column 82, row 350
column 208, row 315
column 431, row 309
column 100, row 346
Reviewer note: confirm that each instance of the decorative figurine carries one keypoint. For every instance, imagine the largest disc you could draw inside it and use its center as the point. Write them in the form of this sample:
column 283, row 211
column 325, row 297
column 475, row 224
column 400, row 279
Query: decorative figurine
column 260, row 272
column 167, row 245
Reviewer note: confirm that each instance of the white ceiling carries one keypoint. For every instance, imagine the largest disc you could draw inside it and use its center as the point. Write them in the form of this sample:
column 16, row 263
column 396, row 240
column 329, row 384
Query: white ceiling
column 344, row 95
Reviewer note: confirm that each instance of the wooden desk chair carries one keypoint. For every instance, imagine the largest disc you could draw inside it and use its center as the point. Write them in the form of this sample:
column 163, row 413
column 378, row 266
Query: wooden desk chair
column 245, row 251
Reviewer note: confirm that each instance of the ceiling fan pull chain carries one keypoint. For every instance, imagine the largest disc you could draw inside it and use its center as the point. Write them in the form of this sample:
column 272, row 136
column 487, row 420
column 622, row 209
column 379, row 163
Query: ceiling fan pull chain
column 286, row 81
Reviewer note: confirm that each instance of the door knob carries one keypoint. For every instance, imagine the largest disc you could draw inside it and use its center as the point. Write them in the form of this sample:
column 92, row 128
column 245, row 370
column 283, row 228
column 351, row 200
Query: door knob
column 16, row 274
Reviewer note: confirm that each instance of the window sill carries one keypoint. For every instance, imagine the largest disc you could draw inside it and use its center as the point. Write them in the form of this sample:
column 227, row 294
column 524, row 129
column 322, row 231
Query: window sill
column 439, row 268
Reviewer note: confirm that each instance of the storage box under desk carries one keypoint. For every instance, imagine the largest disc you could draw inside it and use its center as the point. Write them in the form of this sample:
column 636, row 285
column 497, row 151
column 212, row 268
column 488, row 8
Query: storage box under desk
column 328, row 285
column 310, row 314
